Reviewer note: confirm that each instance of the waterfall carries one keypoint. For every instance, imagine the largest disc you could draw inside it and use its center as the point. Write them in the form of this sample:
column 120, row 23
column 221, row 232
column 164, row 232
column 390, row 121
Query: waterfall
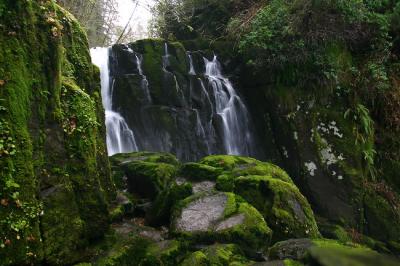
column 191, row 66
column 120, row 138
column 236, row 124
column 174, row 101
column 144, row 83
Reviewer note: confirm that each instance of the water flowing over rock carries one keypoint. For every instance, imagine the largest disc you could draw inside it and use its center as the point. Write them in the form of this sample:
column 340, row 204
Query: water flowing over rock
column 120, row 137
column 238, row 139
column 177, row 101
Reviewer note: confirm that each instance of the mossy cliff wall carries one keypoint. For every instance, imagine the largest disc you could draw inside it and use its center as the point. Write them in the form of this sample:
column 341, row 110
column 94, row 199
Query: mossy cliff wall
column 327, row 140
column 54, row 172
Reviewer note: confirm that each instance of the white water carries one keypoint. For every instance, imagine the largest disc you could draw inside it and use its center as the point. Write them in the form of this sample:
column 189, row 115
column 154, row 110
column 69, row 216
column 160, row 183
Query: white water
column 191, row 68
column 120, row 138
column 144, row 82
column 232, row 111
column 165, row 58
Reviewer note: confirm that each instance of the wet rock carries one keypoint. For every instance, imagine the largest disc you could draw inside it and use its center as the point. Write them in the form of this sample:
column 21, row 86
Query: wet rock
column 222, row 217
column 218, row 254
column 201, row 214
column 291, row 249
column 271, row 191
column 205, row 186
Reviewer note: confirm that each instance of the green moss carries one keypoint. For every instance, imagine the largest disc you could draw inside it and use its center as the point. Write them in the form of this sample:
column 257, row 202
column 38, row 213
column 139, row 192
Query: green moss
column 252, row 235
column 381, row 217
column 152, row 157
column 141, row 251
column 117, row 213
column 63, row 229
column 226, row 182
column 282, row 205
column 46, row 162
column 218, row 254
column 199, row 172
column 340, row 255
column 161, row 209
column 263, row 169
column 227, row 162
column 289, row 262
column 148, row 179
column 196, row 258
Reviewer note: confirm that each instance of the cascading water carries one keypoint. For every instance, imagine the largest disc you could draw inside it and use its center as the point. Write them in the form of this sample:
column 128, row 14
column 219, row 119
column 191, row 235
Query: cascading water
column 236, row 124
column 191, row 66
column 120, row 138
column 174, row 101
column 144, row 83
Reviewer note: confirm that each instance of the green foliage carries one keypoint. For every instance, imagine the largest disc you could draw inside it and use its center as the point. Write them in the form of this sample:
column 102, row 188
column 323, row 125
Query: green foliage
column 188, row 19
column 294, row 36
column 364, row 135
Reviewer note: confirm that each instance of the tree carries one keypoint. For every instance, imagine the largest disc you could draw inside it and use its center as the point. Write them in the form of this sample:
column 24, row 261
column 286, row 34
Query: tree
column 97, row 17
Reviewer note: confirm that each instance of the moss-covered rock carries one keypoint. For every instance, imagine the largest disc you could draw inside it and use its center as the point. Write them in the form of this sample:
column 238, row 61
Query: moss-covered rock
column 242, row 166
column 218, row 254
column 199, row 172
column 282, row 205
column 327, row 252
column 270, row 190
column 147, row 174
column 55, row 178
column 160, row 211
column 340, row 255
column 382, row 216
column 142, row 251
column 221, row 217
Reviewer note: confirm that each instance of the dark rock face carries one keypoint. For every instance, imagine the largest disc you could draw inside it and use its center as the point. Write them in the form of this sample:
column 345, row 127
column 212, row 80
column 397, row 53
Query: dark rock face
column 170, row 105
column 307, row 132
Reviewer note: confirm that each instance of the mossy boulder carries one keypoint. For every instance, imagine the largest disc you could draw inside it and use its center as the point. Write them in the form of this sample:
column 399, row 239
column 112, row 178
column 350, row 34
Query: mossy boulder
column 287, row 211
column 222, row 217
column 132, row 244
column 218, row 255
column 242, row 166
column 142, row 251
column 147, row 174
column 327, row 252
column 160, row 210
column 199, row 172
column 341, row 255
column 270, row 190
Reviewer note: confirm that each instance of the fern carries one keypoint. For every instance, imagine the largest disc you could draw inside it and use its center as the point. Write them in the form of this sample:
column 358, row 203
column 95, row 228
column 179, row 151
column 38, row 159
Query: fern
column 364, row 133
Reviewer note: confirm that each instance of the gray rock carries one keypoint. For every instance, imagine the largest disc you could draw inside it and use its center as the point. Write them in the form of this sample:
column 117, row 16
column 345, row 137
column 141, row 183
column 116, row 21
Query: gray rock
column 205, row 186
column 290, row 249
column 201, row 214
column 231, row 222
